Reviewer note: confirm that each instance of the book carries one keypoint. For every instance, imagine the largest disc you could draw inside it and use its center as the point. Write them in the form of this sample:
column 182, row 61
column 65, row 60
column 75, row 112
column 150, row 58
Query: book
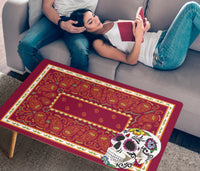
column 126, row 27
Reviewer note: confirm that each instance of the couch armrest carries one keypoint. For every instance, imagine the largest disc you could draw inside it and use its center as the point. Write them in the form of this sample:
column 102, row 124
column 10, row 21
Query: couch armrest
column 14, row 22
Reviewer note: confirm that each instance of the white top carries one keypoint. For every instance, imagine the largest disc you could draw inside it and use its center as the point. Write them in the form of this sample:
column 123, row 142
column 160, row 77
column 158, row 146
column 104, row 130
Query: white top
column 147, row 47
column 66, row 7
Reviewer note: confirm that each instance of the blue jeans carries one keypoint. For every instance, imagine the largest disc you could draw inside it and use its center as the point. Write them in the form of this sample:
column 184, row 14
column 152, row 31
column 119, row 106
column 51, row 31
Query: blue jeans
column 45, row 32
column 173, row 45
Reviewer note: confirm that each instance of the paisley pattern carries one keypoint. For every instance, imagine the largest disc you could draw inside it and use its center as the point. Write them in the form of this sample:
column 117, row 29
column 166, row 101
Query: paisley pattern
column 92, row 117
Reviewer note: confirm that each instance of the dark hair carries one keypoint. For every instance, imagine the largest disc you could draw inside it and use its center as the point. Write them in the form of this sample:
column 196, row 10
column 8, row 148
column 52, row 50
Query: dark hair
column 78, row 15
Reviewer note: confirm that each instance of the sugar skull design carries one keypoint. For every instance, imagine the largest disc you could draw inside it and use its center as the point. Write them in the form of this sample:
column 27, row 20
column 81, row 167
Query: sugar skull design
column 129, row 146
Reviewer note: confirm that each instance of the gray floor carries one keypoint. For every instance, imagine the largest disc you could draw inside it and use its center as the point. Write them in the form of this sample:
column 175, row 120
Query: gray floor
column 177, row 137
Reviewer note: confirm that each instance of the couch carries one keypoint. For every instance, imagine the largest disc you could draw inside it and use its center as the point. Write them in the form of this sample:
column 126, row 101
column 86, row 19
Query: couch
column 182, row 84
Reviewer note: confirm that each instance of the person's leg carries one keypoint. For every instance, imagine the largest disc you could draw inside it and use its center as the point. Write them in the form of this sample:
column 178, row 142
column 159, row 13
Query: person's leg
column 78, row 46
column 40, row 34
column 181, row 34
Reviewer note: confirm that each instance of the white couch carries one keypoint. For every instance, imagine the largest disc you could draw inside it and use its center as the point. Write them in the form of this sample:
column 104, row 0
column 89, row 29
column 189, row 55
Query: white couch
column 182, row 84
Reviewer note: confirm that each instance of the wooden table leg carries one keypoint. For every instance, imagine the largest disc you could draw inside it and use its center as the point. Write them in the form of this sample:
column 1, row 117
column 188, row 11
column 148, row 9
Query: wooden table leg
column 12, row 145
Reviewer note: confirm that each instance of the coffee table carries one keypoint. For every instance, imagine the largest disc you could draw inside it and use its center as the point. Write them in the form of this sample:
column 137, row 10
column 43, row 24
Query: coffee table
column 80, row 112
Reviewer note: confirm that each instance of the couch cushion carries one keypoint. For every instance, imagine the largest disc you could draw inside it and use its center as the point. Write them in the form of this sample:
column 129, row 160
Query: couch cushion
column 35, row 11
column 103, row 67
column 58, row 51
column 118, row 9
column 161, row 13
column 181, row 84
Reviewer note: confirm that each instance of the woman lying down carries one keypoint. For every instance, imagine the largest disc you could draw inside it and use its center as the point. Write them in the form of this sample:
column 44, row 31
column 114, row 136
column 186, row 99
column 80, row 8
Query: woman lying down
column 164, row 50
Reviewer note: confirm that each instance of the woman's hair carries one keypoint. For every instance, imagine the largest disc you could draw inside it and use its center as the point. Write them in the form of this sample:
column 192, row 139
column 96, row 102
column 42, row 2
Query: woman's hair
column 78, row 15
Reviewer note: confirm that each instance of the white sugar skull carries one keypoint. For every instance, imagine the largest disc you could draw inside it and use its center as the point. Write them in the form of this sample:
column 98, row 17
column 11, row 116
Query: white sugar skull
column 131, row 145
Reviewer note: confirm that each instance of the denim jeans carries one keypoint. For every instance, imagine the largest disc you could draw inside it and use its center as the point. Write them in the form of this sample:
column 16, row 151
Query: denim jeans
column 173, row 45
column 45, row 32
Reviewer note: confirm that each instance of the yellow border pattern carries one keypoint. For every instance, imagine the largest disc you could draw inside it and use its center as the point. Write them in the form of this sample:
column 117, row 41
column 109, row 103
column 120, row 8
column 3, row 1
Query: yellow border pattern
column 170, row 108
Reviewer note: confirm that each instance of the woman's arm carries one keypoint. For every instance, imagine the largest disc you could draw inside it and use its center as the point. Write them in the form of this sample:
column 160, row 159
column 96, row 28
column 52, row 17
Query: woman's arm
column 108, row 51
column 111, row 52
column 54, row 17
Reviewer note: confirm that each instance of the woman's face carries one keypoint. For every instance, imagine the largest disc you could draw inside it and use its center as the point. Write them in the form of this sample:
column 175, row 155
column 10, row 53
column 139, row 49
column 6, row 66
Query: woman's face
column 92, row 22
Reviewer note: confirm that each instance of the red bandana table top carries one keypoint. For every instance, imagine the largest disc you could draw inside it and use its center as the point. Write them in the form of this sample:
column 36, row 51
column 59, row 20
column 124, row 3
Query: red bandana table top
column 80, row 112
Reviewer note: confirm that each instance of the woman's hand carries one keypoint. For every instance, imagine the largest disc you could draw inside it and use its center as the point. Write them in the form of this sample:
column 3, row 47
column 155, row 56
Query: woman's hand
column 69, row 27
column 138, row 30
column 147, row 25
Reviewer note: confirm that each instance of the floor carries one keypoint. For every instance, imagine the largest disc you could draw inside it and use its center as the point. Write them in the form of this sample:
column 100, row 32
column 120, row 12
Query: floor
column 178, row 137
